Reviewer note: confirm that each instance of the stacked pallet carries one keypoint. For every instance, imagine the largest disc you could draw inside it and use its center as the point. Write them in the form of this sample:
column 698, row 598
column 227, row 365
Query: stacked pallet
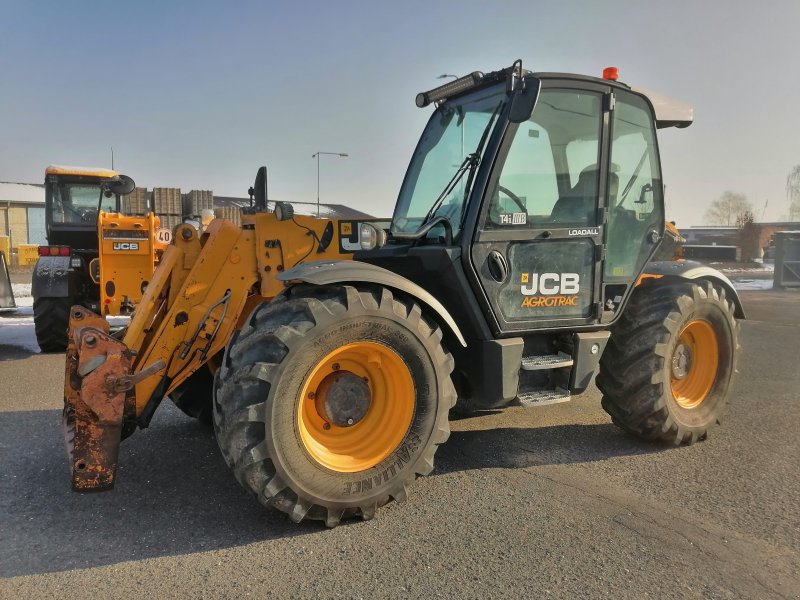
column 167, row 201
column 196, row 201
column 231, row 213
column 168, row 205
column 170, row 221
column 135, row 203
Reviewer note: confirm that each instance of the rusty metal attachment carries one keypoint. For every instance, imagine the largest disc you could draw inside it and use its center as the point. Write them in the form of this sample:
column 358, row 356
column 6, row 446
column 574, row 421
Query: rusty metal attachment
column 97, row 380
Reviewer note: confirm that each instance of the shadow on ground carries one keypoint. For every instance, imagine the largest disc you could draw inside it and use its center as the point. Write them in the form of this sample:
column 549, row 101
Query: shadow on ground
column 519, row 448
column 14, row 352
column 175, row 495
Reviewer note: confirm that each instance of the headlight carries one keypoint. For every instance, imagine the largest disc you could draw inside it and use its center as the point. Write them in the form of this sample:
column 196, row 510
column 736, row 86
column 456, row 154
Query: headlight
column 75, row 262
column 370, row 237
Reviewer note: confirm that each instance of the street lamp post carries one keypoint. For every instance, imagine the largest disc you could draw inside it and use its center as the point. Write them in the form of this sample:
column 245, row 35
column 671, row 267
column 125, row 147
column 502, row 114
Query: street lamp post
column 316, row 155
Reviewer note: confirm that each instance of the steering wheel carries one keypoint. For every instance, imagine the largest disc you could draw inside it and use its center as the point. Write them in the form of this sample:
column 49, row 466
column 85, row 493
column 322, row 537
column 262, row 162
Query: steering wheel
column 514, row 197
column 87, row 215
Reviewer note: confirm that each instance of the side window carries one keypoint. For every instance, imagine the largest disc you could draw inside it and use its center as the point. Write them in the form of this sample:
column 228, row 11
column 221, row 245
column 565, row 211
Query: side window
column 550, row 175
column 634, row 187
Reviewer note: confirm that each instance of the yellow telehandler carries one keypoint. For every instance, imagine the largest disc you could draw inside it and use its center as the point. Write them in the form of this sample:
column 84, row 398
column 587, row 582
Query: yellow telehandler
column 518, row 264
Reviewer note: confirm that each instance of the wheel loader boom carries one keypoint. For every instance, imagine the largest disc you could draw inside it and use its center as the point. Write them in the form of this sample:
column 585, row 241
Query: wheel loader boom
column 187, row 315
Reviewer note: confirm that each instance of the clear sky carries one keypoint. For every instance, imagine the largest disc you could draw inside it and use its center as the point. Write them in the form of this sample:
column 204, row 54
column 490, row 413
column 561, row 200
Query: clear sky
column 199, row 94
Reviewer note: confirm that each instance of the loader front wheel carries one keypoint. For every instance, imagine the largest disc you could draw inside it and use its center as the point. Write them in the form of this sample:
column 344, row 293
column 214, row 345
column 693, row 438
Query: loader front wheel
column 669, row 364
column 332, row 400
column 50, row 321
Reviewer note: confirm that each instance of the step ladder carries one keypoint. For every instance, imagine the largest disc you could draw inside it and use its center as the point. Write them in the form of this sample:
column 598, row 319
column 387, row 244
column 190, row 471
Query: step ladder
column 545, row 396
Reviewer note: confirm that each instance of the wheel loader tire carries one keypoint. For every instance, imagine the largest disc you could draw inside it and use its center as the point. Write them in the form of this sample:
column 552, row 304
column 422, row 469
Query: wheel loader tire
column 331, row 400
column 194, row 396
column 669, row 364
column 50, row 320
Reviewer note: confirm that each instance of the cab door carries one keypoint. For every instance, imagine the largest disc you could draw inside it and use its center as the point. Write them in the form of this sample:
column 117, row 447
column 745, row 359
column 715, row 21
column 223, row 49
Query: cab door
column 538, row 246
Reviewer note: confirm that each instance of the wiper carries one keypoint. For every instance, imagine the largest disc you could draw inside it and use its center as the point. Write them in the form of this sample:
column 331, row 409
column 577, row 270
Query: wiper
column 470, row 163
column 472, row 168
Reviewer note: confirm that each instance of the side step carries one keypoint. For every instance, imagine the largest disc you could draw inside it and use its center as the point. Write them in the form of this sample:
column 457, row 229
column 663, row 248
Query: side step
column 543, row 397
column 546, row 361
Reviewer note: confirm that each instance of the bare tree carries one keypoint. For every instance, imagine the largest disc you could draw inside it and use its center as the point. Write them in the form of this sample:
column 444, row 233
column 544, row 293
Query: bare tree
column 793, row 193
column 726, row 209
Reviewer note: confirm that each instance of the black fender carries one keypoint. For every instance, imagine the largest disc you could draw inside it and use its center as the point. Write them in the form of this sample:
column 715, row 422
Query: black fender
column 53, row 278
column 692, row 270
column 332, row 272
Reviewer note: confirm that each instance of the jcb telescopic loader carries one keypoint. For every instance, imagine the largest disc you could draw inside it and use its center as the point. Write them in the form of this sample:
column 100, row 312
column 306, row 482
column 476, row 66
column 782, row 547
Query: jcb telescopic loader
column 517, row 265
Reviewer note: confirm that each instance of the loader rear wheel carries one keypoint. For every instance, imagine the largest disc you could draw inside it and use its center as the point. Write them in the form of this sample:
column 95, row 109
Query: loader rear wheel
column 331, row 400
column 50, row 320
column 666, row 372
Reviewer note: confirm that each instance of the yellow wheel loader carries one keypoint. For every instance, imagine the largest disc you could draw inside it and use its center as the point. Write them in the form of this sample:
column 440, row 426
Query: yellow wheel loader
column 518, row 264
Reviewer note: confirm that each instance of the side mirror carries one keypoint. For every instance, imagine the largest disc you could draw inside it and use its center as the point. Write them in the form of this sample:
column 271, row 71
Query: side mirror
column 121, row 185
column 523, row 101
column 260, row 190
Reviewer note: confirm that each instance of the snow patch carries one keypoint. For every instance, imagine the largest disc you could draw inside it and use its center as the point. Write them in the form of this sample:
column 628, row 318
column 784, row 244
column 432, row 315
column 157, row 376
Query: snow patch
column 752, row 284
column 18, row 332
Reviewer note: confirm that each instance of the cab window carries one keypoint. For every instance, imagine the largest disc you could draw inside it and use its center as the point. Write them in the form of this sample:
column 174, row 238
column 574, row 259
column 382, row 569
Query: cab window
column 550, row 175
column 634, row 187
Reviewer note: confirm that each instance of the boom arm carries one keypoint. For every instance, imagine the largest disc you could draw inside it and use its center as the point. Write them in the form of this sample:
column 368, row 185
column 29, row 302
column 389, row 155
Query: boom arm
column 196, row 299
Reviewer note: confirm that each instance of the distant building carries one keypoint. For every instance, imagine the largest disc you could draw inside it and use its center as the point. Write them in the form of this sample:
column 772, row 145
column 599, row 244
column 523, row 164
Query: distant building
column 22, row 213
column 710, row 235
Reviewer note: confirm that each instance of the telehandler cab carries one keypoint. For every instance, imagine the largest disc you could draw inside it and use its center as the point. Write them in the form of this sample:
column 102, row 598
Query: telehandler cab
column 516, row 266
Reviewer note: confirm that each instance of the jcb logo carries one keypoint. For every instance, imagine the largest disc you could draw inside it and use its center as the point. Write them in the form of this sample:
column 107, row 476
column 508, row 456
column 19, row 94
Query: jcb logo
column 126, row 245
column 549, row 284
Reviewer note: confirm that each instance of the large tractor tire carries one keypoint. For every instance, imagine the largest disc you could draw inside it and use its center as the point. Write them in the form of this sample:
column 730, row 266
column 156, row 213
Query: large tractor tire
column 331, row 400
column 50, row 320
column 669, row 364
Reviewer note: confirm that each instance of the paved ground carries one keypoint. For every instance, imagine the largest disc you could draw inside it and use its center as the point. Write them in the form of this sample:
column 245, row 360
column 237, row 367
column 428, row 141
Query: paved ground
column 547, row 502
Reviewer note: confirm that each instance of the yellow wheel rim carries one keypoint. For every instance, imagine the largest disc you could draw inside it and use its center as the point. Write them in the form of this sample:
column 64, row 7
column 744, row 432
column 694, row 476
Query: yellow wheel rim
column 366, row 384
column 694, row 364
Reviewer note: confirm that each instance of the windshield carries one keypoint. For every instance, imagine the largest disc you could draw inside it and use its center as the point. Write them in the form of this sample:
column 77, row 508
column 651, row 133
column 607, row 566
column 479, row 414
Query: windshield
column 454, row 131
column 76, row 203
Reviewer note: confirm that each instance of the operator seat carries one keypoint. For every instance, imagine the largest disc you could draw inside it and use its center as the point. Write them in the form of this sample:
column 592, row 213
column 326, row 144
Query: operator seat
column 579, row 205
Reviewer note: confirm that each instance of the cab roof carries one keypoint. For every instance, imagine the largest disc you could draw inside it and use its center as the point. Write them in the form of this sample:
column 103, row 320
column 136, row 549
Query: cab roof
column 80, row 171
column 669, row 112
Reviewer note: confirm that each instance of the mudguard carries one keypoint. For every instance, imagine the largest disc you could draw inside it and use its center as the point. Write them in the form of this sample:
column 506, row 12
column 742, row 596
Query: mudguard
column 52, row 278
column 331, row 272
column 691, row 270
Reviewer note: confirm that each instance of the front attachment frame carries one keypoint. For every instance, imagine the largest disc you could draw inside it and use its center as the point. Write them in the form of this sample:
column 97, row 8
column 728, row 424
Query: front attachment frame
column 95, row 403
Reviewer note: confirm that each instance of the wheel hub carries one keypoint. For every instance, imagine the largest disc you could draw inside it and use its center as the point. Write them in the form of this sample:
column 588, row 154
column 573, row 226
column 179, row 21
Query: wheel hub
column 343, row 398
column 681, row 361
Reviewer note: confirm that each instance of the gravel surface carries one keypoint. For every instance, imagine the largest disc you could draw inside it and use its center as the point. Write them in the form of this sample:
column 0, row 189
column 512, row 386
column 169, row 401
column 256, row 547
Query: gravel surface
column 546, row 502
